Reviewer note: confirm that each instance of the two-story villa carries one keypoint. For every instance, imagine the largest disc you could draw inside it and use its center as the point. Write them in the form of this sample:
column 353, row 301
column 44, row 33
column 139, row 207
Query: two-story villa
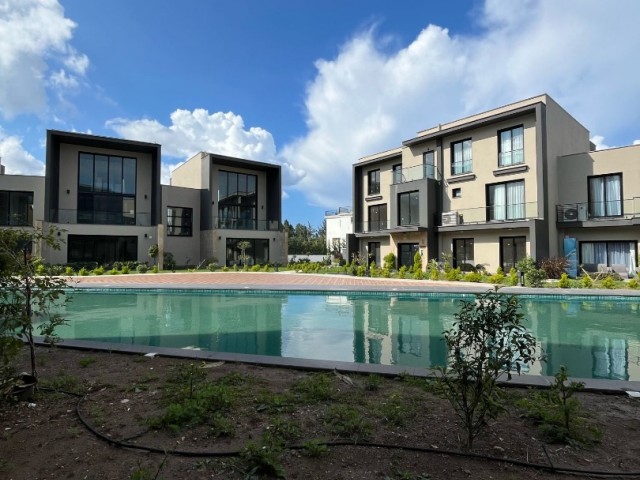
column 105, row 197
column 495, row 187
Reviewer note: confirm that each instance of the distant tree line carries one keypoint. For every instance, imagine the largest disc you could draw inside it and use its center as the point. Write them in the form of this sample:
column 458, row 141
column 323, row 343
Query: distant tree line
column 305, row 239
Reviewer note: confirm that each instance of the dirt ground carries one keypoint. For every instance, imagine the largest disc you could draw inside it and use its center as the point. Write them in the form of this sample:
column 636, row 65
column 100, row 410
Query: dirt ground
column 399, row 431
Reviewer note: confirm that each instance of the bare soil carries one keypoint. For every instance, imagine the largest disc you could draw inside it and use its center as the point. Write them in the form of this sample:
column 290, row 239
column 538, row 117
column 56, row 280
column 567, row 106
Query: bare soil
column 123, row 394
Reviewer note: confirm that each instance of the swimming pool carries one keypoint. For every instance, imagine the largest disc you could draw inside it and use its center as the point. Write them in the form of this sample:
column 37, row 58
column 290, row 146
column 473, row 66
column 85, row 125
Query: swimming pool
column 595, row 337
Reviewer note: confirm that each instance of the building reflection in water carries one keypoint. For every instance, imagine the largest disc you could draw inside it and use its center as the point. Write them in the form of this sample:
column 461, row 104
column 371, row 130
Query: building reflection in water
column 597, row 339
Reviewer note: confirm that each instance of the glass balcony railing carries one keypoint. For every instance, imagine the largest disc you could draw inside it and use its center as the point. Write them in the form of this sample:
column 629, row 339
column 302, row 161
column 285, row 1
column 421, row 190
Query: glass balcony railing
column 338, row 211
column 612, row 209
column 230, row 223
column 490, row 214
column 368, row 227
column 417, row 172
column 100, row 217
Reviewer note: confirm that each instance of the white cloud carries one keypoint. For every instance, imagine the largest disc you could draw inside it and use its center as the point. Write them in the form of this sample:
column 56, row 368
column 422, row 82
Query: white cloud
column 367, row 100
column 598, row 141
column 16, row 159
column 198, row 130
column 636, row 142
column 35, row 36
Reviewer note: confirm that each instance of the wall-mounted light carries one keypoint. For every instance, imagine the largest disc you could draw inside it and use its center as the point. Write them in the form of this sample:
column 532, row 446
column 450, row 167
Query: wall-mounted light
column 68, row 191
column 145, row 196
column 58, row 233
column 213, row 202
column 261, row 207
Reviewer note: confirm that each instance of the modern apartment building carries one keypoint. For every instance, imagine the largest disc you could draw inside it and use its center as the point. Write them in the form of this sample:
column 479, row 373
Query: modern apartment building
column 492, row 188
column 338, row 228
column 105, row 196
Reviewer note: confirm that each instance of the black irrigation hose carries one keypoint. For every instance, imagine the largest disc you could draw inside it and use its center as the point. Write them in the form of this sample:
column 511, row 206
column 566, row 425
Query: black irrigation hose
column 438, row 451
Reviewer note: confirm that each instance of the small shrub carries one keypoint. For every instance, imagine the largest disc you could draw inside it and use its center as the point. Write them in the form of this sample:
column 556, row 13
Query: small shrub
column 433, row 270
column 534, row 277
column 453, row 275
column 526, row 264
column 497, row 278
column 402, row 272
column 361, row 271
column 315, row 448
column 212, row 267
column 113, row 271
column 69, row 271
column 608, row 282
column 389, row 261
column 385, row 273
column 418, row 274
column 633, row 283
column 83, row 272
column 264, row 459
column 475, row 277
column 255, row 268
column 98, row 270
column 347, row 422
column 395, row 410
column 315, row 388
column 125, row 270
column 564, row 281
column 554, row 267
column 512, row 279
column 586, row 282
column 417, row 262
column 142, row 268
column 372, row 382
column 373, row 269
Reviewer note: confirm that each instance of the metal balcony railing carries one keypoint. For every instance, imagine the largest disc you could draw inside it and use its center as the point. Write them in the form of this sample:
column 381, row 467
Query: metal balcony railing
column 100, row 217
column 609, row 210
column 338, row 211
column 490, row 214
column 230, row 223
column 417, row 172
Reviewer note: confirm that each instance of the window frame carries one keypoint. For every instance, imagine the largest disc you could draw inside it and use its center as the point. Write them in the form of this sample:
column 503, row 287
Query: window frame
column 233, row 208
column 605, row 201
column 373, row 182
column 185, row 226
column 463, row 161
column 411, row 221
column 465, row 241
column 514, row 248
column 429, row 167
column 380, row 223
column 396, row 173
column 507, row 205
column 23, row 219
column 500, row 152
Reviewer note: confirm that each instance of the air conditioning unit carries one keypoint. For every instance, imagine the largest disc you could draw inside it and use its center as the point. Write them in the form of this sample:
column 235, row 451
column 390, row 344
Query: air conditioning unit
column 570, row 215
column 450, row 218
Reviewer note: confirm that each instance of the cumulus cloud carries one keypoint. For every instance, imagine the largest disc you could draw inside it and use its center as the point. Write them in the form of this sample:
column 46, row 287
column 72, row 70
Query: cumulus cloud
column 367, row 99
column 198, row 130
column 16, row 159
column 35, row 37
column 598, row 141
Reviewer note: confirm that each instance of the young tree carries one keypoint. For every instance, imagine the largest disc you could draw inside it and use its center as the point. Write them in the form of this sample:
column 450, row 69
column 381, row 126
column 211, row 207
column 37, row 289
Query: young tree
column 487, row 340
column 154, row 251
column 243, row 246
column 27, row 294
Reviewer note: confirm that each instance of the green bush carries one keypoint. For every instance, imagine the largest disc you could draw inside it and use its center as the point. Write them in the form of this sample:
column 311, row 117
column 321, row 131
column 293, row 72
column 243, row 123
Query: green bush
column 125, row 269
column 98, row 270
column 497, row 278
column 475, row 277
column 402, row 272
column 554, row 267
column 417, row 262
column 608, row 282
column 255, row 268
column 142, row 268
column 633, row 283
column 212, row 267
column 453, row 275
column 564, row 281
column 373, row 269
column 69, row 271
column 83, row 272
column 512, row 279
column 386, row 273
column 361, row 270
column 389, row 261
column 586, row 282
column 433, row 270
column 114, row 271
column 534, row 277
column 154, row 269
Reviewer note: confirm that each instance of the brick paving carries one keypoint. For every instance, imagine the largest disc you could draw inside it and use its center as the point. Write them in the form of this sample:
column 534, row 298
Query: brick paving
column 264, row 280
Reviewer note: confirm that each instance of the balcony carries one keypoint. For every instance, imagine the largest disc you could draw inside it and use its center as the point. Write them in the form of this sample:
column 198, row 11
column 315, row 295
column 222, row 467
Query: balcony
column 230, row 223
column 417, row 172
column 339, row 211
column 492, row 214
column 371, row 227
column 99, row 217
column 628, row 209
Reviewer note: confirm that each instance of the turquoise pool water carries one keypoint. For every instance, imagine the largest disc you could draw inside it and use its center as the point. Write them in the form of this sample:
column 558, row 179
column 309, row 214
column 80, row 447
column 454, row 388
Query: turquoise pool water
column 595, row 337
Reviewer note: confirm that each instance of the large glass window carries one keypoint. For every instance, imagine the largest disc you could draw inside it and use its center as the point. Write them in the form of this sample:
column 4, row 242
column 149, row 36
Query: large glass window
column 179, row 221
column 256, row 253
column 406, row 252
column 106, row 189
column 374, row 182
column 463, row 254
column 409, row 206
column 505, row 201
column 397, row 173
column 429, row 163
column 512, row 250
column 609, row 254
column 461, row 157
column 605, row 195
column 16, row 208
column 377, row 217
column 511, row 146
column 237, row 199
column 102, row 249
column 374, row 253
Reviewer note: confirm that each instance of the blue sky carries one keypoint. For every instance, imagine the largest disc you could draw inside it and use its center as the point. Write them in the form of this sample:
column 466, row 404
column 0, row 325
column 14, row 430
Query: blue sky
column 311, row 85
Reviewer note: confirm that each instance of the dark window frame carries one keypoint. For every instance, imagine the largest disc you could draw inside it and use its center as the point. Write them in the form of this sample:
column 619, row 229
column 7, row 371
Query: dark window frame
column 606, row 201
column 500, row 152
column 412, row 247
column 515, row 248
column 429, row 168
column 582, row 242
column 465, row 245
column 99, row 196
column 379, row 223
column 250, row 252
column 20, row 219
column 463, row 161
column 411, row 215
column 490, row 206
column 184, row 228
column 396, row 173
column 98, row 243
column 235, row 211
column 373, row 182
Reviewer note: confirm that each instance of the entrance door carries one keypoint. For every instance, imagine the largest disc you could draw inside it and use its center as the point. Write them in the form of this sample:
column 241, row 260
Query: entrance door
column 374, row 253
column 406, row 252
